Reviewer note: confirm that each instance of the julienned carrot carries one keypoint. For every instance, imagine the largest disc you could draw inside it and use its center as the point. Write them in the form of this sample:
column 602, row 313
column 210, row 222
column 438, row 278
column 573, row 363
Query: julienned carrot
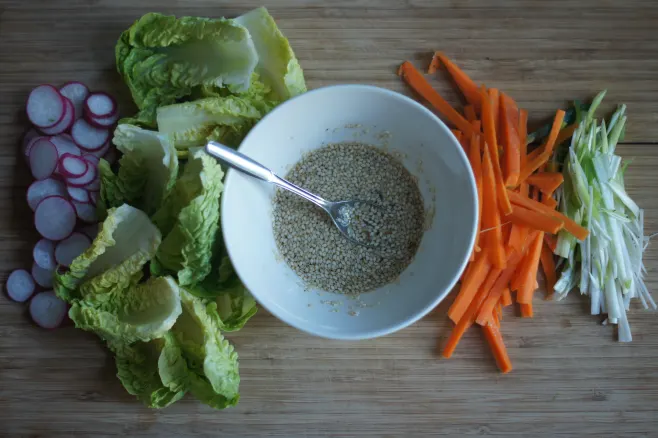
column 526, row 310
column 418, row 82
column 473, row 279
column 434, row 63
column 494, row 98
column 549, row 201
column 547, row 149
column 495, row 318
column 465, row 84
column 579, row 232
column 468, row 318
column 495, row 340
column 529, row 275
column 565, row 133
column 547, row 182
column 476, row 164
column 469, row 112
column 496, row 290
column 550, row 241
column 457, row 133
column 510, row 139
column 548, row 266
column 506, row 297
column 513, row 114
column 534, row 220
column 490, row 216
column 489, row 129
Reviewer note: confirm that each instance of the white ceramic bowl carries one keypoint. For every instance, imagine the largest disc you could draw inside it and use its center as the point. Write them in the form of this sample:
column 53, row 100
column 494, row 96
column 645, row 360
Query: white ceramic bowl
column 382, row 118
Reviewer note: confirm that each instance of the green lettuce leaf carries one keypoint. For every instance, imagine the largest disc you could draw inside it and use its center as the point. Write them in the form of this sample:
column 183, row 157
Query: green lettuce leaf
column 126, row 241
column 191, row 124
column 162, row 59
column 277, row 65
column 139, row 371
column 139, row 313
column 208, row 355
column 147, row 171
column 189, row 220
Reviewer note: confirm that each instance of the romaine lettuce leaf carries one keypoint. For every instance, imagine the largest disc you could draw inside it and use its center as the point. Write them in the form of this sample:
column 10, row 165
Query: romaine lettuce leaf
column 139, row 313
column 189, row 220
column 127, row 239
column 162, row 58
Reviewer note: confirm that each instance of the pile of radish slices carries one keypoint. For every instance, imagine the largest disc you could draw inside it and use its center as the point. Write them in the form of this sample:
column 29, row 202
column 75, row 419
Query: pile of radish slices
column 72, row 132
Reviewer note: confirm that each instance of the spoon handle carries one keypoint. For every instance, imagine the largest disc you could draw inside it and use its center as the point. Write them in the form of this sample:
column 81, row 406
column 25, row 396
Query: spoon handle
column 245, row 164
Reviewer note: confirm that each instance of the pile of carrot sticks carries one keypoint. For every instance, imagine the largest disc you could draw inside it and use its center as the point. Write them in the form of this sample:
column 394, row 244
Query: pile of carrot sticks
column 517, row 217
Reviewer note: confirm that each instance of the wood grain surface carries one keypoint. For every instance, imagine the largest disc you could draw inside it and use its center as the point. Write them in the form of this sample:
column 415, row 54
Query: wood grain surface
column 571, row 377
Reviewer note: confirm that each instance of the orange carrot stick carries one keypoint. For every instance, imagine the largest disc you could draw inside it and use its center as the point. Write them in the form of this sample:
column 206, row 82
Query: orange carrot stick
column 506, row 297
column 494, row 98
column 469, row 112
column 534, row 220
column 547, row 182
column 489, row 125
column 565, row 133
column 548, row 266
column 434, row 64
column 484, row 314
column 495, row 318
column 473, row 279
column 547, row 149
column 510, row 140
column 495, row 340
column 490, row 215
column 468, row 318
column 549, row 201
column 529, row 275
column 416, row 81
column 475, row 159
column 526, row 310
column 579, row 232
column 465, row 84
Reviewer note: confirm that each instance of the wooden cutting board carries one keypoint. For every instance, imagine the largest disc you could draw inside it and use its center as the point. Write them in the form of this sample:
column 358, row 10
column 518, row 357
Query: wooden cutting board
column 571, row 377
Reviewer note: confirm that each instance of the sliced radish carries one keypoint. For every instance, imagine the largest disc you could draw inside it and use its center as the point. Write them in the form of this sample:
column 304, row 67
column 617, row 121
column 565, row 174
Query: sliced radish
column 88, row 177
column 91, row 159
column 44, row 254
column 43, row 277
column 77, row 93
column 20, row 285
column 89, row 137
column 68, row 249
column 111, row 156
column 94, row 186
column 28, row 138
column 79, row 194
column 65, row 145
column 40, row 190
column 65, row 123
column 91, row 231
column 100, row 105
column 72, row 166
column 47, row 310
column 27, row 147
column 103, row 122
column 93, row 197
column 43, row 159
column 102, row 151
column 55, row 218
column 45, row 106
column 86, row 212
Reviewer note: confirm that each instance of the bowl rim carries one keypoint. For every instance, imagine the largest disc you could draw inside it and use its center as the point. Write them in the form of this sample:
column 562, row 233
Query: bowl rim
column 421, row 312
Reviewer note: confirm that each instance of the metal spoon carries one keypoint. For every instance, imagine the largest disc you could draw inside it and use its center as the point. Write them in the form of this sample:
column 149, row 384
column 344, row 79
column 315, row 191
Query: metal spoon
column 340, row 212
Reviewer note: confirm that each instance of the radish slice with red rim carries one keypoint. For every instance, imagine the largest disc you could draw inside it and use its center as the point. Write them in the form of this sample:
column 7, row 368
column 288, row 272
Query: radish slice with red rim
column 88, row 177
column 103, row 122
column 100, row 105
column 65, row 123
column 43, row 277
column 78, row 194
column 28, row 138
column 44, row 254
column 27, row 147
column 102, row 151
column 91, row 159
column 95, row 185
column 45, row 106
column 93, row 197
column 77, row 93
column 55, row 218
column 20, row 285
column 40, row 190
column 70, row 248
column 85, row 212
column 89, row 137
column 43, row 159
column 65, row 145
column 72, row 166
column 47, row 310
